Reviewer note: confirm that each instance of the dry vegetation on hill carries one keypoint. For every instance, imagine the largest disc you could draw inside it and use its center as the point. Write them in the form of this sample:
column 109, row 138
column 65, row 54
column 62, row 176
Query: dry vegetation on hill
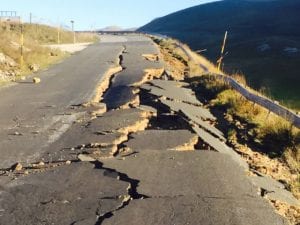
column 36, row 56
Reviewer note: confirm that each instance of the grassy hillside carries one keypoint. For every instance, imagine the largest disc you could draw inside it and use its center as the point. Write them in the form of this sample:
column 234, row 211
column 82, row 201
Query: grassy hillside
column 44, row 34
column 263, row 44
column 36, row 56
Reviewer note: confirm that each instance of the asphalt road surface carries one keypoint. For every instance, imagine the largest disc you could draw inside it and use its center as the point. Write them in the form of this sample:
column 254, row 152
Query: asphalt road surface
column 138, row 163
column 36, row 112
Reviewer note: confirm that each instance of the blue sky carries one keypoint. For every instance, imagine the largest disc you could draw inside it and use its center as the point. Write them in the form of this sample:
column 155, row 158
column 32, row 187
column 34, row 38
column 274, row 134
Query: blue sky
column 93, row 14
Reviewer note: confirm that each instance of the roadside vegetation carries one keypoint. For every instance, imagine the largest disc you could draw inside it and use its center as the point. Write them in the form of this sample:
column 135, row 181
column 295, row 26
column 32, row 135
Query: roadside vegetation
column 44, row 34
column 252, row 124
column 179, row 62
column 36, row 55
column 269, row 143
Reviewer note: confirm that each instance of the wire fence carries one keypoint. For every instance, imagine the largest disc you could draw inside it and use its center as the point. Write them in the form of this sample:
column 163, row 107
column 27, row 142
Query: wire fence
column 12, row 17
column 9, row 16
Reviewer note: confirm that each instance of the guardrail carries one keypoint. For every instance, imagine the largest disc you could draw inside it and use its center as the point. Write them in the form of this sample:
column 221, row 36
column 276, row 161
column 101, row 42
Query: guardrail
column 262, row 101
column 267, row 103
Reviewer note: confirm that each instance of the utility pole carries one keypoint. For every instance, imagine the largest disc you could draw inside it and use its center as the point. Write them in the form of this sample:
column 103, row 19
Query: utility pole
column 30, row 18
column 72, row 22
column 58, row 34
column 21, row 44
column 219, row 62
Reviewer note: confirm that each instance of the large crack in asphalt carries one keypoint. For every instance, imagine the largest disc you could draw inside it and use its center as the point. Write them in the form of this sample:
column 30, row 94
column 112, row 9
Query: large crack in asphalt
column 132, row 193
column 113, row 76
column 106, row 82
column 131, row 190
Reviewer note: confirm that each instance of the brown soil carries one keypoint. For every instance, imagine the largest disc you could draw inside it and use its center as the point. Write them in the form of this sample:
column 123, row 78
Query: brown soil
column 176, row 67
column 105, row 82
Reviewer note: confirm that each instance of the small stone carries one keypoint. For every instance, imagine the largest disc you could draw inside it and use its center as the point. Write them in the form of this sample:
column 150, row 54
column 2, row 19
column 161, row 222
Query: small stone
column 22, row 78
column 2, row 58
column 36, row 80
column 17, row 167
column 237, row 123
column 85, row 104
column 68, row 162
column 17, row 133
column 26, row 172
column 85, row 158
column 53, row 54
column 41, row 163
column 34, row 67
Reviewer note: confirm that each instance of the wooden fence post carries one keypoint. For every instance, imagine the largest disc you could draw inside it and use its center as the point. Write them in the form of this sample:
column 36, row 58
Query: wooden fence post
column 222, row 52
column 21, row 44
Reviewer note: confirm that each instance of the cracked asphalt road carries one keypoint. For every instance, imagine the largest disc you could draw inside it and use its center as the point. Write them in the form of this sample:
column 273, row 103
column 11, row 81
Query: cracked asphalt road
column 190, row 188
column 97, row 169
column 38, row 111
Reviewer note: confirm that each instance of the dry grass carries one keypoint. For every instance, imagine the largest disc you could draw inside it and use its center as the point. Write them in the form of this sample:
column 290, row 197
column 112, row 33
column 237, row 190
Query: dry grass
column 200, row 65
column 175, row 63
column 44, row 34
column 33, row 52
column 170, row 49
column 240, row 78
column 266, row 132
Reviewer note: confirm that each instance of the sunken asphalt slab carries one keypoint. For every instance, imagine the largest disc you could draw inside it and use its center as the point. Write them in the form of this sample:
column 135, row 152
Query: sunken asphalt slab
column 160, row 140
column 133, row 64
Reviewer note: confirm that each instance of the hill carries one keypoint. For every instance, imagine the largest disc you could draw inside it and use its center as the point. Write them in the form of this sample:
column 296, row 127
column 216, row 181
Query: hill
column 263, row 41
column 111, row 28
column 116, row 28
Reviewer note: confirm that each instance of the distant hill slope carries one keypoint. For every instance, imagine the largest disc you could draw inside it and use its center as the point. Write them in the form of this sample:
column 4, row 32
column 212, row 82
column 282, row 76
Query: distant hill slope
column 111, row 28
column 264, row 40
column 116, row 28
